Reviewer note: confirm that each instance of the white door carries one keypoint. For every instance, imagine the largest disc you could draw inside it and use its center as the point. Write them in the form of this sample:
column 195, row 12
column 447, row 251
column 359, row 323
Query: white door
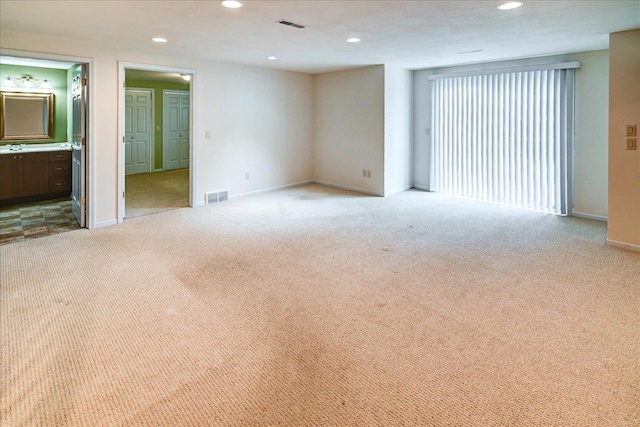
column 184, row 130
column 78, row 164
column 137, row 137
column 175, row 151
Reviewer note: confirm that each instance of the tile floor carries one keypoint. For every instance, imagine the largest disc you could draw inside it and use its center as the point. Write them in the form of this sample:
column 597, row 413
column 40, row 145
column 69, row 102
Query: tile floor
column 33, row 220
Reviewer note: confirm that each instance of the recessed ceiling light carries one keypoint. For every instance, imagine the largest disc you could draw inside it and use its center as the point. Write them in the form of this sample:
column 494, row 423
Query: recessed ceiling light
column 353, row 40
column 159, row 39
column 510, row 5
column 271, row 58
column 231, row 4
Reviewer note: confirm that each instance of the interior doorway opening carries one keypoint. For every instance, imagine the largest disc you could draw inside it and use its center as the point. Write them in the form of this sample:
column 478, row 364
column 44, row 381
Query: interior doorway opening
column 45, row 173
column 156, row 155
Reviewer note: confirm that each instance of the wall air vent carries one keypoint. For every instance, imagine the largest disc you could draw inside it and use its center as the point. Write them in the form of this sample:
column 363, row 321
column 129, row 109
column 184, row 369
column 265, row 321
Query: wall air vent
column 219, row 196
column 290, row 24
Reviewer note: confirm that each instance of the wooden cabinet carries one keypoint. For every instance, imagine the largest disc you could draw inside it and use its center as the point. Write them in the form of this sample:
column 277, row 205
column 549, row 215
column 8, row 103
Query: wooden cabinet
column 33, row 174
column 8, row 176
column 60, row 171
column 24, row 175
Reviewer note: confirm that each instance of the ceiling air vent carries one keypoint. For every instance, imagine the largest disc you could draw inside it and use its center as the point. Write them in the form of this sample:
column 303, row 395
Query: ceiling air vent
column 290, row 24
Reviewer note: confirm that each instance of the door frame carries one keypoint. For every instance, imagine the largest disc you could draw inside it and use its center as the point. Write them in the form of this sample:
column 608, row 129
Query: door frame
column 90, row 158
column 122, row 67
column 152, row 125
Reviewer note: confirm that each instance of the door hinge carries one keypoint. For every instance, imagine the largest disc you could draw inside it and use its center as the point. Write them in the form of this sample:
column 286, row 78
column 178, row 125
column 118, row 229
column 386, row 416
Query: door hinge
column 123, row 194
column 84, row 141
column 84, row 201
column 123, row 139
column 84, row 82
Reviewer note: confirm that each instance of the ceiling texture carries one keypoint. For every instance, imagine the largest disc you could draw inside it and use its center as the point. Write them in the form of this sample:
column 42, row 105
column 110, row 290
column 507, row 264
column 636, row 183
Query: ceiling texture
column 409, row 34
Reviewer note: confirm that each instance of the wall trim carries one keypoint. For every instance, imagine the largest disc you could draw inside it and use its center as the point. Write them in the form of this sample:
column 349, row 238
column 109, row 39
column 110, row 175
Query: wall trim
column 422, row 188
column 589, row 216
column 199, row 204
column 397, row 191
column 106, row 223
column 268, row 190
column 623, row 245
column 346, row 187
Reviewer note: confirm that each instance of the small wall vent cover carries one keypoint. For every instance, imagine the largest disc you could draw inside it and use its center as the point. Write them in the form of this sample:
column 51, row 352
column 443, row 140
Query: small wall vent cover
column 218, row 196
column 291, row 24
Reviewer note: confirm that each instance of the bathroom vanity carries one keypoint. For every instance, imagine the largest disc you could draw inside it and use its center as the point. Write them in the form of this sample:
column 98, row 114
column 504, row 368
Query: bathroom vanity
column 34, row 172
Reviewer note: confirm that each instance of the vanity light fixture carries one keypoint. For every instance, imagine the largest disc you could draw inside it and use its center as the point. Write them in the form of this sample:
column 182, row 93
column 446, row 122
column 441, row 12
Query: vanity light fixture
column 186, row 77
column 45, row 84
column 510, row 5
column 8, row 82
column 27, row 81
column 353, row 40
column 159, row 39
column 231, row 4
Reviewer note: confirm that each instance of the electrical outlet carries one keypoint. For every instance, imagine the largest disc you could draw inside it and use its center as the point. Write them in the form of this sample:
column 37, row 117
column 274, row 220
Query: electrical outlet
column 368, row 173
column 247, row 175
column 631, row 143
column 364, row 173
column 207, row 134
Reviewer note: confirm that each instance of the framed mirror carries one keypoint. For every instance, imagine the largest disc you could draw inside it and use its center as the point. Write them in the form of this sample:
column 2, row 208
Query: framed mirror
column 26, row 116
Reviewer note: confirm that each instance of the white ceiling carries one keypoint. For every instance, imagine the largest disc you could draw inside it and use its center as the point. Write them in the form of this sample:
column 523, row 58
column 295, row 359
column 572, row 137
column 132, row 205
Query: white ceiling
column 411, row 34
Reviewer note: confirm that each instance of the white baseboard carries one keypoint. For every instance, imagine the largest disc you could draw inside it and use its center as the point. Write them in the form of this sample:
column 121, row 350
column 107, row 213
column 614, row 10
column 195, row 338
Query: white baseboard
column 107, row 223
column 268, row 190
column 199, row 204
column 589, row 216
column 159, row 170
column 622, row 245
column 396, row 191
column 422, row 188
column 346, row 187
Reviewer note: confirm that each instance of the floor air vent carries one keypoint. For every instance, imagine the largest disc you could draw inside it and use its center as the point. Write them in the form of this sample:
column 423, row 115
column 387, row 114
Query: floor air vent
column 290, row 24
column 216, row 197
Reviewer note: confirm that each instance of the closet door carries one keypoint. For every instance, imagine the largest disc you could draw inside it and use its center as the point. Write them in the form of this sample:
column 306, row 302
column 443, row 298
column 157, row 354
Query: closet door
column 137, row 138
column 175, row 151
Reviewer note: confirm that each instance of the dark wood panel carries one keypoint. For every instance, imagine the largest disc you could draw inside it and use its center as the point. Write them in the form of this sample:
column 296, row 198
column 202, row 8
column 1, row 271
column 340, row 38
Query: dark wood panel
column 59, row 183
column 8, row 176
column 60, row 168
column 33, row 174
column 60, row 155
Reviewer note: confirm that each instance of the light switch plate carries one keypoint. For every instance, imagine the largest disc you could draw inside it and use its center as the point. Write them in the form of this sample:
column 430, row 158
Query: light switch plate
column 631, row 143
column 631, row 130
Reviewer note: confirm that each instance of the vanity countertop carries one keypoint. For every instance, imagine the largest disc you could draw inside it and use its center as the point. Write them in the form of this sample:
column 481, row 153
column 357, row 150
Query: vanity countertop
column 35, row 148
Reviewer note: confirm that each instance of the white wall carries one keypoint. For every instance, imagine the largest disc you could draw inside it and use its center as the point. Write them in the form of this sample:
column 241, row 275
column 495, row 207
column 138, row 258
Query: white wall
column 624, row 165
column 398, row 112
column 591, row 125
column 349, row 129
column 260, row 120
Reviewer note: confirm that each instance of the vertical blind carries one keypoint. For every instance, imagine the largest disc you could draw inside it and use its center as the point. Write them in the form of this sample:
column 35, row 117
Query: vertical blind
column 505, row 137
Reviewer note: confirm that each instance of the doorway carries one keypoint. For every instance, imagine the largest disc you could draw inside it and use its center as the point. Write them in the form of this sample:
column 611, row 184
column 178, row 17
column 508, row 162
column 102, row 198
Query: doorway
column 150, row 180
column 51, row 174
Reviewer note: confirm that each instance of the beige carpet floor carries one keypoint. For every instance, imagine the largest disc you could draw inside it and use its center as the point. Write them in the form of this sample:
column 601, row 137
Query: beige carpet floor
column 150, row 193
column 318, row 307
